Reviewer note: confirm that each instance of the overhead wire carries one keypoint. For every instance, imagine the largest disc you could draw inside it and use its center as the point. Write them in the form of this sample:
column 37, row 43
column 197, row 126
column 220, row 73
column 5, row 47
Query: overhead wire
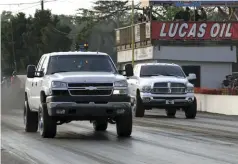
column 17, row 4
column 38, row 3
column 16, row 11
column 23, row 3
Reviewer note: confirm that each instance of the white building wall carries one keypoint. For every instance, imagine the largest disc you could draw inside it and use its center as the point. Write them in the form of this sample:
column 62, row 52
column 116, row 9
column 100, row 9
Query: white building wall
column 196, row 53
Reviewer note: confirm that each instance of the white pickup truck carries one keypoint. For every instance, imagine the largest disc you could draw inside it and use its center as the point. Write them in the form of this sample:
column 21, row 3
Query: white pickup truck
column 164, row 86
column 67, row 86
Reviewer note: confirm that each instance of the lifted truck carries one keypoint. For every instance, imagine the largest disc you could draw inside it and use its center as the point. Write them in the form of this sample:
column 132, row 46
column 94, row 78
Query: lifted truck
column 68, row 86
column 164, row 86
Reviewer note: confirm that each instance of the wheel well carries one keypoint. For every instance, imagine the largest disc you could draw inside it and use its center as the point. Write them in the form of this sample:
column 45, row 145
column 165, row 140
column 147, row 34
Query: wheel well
column 26, row 96
column 42, row 97
column 137, row 92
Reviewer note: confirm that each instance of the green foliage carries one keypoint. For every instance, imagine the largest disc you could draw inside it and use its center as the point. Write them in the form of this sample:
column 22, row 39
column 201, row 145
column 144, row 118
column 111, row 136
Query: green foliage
column 32, row 37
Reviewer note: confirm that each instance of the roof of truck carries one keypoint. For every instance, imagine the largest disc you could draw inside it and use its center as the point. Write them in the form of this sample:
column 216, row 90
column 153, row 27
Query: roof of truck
column 163, row 64
column 75, row 53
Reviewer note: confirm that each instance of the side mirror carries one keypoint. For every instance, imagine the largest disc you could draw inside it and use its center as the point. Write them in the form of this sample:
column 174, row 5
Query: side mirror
column 129, row 70
column 191, row 76
column 120, row 72
column 31, row 69
column 40, row 73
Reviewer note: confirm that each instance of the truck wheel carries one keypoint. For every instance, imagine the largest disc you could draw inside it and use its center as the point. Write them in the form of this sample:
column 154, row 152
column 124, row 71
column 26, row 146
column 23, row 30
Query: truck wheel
column 170, row 112
column 30, row 119
column 100, row 125
column 124, row 125
column 47, row 125
column 191, row 110
column 139, row 108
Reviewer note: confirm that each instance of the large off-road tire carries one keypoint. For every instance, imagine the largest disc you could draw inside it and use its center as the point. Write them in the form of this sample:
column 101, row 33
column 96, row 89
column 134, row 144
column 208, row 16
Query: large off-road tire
column 191, row 110
column 138, row 106
column 100, row 125
column 124, row 125
column 30, row 119
column 47, row 124
column 171, row 112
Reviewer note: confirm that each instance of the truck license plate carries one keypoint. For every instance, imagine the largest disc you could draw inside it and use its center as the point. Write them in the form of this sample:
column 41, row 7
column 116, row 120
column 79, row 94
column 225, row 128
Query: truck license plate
column 169, row 101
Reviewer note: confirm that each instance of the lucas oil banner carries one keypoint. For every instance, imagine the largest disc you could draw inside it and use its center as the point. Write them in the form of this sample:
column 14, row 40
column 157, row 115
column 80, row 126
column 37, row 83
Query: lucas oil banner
column 194, row 30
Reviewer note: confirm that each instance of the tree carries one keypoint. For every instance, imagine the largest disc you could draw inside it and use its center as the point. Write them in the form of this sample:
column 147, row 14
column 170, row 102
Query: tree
column 32, row 37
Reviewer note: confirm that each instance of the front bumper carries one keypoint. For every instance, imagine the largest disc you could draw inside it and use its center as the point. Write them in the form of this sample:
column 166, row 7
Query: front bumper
column 88, row 106
column 163, row 101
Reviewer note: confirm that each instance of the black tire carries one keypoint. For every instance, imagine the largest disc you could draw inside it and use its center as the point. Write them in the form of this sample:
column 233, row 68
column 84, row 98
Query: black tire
column 171, row 112
column 191, row 111
column 47, row 124
column 100, row 125
column 124, row 125
column 139, row 108
column 30, row 119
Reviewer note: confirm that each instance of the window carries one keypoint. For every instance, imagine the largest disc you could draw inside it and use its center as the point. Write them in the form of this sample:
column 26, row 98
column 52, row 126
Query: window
column 40, row 63
column 44, row 65
column 80, row 63
column 164, row 70
column 136, row 70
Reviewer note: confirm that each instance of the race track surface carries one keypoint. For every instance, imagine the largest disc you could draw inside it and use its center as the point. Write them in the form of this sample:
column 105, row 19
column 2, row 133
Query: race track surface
column 156, row 139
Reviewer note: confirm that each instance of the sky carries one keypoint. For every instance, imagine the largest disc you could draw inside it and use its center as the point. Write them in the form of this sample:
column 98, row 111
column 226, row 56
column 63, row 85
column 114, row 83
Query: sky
column 67, row 7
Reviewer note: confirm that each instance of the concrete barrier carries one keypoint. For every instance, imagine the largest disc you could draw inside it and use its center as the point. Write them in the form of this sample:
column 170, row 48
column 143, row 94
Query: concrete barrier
column 220, row 104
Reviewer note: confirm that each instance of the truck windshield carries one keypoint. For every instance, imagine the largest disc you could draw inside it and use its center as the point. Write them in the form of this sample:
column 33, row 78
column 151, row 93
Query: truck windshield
column 161, row 70
column 80, row 63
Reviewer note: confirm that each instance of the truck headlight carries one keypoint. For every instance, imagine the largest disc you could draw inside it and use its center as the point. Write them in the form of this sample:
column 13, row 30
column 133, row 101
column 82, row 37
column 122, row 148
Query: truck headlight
column 58, row 84
column 146, row 89
column 120, row 92
column 190, row 90
column 122, row 83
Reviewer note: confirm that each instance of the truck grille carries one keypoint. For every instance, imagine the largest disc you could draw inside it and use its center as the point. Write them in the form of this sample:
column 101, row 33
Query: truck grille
column 169, row 88
column 90, row 89
column 76, row 85
column 90, row 92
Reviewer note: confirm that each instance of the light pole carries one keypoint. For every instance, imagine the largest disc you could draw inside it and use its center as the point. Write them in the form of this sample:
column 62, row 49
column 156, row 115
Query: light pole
column 133, row 34
column 13, row 47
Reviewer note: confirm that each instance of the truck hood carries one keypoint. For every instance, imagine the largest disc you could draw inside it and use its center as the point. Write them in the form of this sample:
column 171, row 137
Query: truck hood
column 156, row 79
column 79, row 77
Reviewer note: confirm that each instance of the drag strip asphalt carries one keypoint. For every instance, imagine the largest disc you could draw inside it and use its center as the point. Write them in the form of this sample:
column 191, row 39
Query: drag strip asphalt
column 156, row 139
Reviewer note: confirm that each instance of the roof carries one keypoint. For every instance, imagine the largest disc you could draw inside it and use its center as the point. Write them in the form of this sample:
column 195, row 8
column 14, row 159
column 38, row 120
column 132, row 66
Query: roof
column 163, row 64
column 194, row 3
column 75, row 53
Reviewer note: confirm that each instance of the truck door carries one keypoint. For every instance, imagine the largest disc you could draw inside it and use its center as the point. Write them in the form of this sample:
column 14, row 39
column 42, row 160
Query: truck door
column 35, row 87
column 39, row 81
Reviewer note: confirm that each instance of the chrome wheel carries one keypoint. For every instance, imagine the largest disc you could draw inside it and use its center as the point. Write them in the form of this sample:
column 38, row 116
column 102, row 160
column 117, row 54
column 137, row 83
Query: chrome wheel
column 134, row 105
column 41, row 122
column 24, row 115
